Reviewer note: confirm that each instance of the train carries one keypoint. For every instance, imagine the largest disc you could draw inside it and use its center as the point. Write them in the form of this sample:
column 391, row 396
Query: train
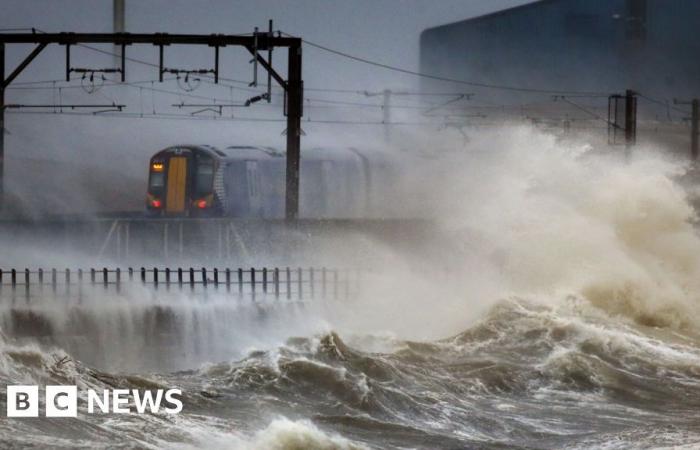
column 249, row 182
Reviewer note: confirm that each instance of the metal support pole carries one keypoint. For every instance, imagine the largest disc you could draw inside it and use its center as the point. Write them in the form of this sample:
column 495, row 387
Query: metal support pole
column 118, row 16
column 2, row 123
column 67, row 62
column 630, row 121
column 695, row 130
column 160, row 63
column 269, row 62
column 294, row 113
column 216, row 64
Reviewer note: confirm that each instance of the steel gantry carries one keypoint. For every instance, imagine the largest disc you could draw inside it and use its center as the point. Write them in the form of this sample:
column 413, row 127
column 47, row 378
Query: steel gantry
column 255, row 43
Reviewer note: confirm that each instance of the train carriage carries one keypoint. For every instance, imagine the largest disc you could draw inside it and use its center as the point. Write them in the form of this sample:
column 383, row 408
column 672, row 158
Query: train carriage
column 249, row 182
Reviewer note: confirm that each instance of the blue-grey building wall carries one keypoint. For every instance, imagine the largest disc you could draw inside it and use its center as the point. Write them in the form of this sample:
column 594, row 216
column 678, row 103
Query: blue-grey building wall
column 652, row 46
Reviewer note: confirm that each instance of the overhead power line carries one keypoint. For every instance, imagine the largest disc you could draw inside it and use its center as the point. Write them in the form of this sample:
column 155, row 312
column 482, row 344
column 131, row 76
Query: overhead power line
column 170, row 116
column 661, row 103
column 587, row 111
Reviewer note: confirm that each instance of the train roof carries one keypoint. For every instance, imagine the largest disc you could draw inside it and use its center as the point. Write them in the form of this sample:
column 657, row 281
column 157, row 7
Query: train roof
column 244, row 152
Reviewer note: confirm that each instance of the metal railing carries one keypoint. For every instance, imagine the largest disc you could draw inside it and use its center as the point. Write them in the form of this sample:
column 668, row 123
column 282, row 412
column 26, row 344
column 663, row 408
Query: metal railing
column 277, row 283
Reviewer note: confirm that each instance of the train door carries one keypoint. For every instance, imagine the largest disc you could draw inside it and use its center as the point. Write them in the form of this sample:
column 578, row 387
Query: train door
column 177, row 184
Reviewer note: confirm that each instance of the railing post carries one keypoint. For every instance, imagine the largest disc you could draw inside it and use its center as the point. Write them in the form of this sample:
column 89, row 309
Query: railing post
column 105, row 277
column 131, row 274
column 67, row 280
column 204, row 277
column 216, row 277
column 335, row 284
column 53, row 280
column 228, row 279
column 143, row 275
column 26, row 283
column 80, row 285
column 289, row 283
column 299, row 282
column 347, row 284
column 92, row 276
column 276, row 277
column 179, row 277
column 41, row 277
column 167, row 277
column 191, row 278
column 311, row 281
column 119, row 278
column 264, row 275
column 240, row 281
column 252, row 280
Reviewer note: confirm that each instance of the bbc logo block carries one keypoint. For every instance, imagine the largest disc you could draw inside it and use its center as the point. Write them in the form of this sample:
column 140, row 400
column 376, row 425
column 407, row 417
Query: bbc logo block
column 23, row 401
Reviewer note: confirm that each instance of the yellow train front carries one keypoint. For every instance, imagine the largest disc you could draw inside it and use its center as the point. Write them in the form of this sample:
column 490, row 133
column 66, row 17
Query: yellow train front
column 181, row 182
column 249, row 182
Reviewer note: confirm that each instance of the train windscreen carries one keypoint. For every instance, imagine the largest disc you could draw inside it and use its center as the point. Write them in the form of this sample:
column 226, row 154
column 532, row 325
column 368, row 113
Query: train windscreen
column 205, row 176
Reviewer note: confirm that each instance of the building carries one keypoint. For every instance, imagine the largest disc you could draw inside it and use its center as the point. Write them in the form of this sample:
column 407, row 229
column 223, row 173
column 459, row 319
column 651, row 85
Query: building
column 651, row 46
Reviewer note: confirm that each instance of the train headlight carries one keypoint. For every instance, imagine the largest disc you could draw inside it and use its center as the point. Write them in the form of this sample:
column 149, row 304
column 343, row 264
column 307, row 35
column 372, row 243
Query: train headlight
column 157, row 166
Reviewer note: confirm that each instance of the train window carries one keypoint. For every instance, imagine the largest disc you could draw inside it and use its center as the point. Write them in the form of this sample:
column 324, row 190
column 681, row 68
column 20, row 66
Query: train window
column 157, row 180
column 205, row 176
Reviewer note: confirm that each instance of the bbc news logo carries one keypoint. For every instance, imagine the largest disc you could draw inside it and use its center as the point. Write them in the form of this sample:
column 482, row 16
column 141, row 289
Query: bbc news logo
column 62, row 401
